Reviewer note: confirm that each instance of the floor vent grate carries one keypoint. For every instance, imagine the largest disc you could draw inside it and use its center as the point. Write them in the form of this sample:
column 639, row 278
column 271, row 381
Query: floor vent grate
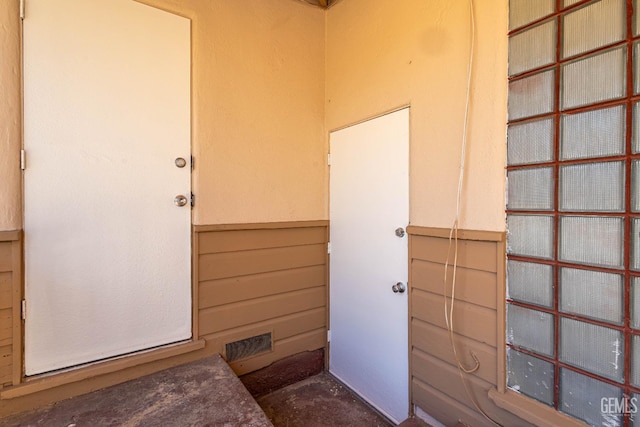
column 248, row 347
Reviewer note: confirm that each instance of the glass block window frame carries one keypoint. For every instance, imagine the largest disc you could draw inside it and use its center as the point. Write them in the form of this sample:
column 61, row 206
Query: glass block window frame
column 597, row 253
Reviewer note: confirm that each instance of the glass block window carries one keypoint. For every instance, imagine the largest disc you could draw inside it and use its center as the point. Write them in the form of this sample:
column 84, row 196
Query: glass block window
column 573, row 206
column 597, row 24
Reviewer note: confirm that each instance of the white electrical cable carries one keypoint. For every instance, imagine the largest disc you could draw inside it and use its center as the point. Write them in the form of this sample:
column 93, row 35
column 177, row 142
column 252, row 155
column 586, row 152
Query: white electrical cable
column 453, row 234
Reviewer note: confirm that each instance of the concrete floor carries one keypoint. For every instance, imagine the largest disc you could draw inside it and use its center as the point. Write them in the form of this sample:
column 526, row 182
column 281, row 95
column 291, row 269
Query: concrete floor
column 321, row 401
column 208, row 393
column 318, row 401
column 202, row 393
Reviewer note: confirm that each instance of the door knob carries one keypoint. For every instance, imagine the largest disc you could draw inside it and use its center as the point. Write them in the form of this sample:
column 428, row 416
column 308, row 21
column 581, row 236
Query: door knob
column 399, row 288
column 400, row 232
column 180, row 162
column 180, row 200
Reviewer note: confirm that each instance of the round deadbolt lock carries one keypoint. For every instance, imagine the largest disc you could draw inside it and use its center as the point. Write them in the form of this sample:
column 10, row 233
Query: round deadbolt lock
column 180, row 200
column 180, row 162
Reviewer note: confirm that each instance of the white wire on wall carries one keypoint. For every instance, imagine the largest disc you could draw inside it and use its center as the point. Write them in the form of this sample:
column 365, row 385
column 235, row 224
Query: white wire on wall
column 453, row 234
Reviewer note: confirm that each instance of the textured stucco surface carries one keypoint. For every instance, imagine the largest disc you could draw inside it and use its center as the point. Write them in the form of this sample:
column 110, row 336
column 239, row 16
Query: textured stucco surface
column 384, row 54
column 271, row 78
column 258, row 110
column 10, row 117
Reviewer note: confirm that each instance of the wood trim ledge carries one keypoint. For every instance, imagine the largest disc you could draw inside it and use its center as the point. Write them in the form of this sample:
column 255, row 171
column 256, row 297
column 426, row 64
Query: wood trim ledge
column 487, row 236
column 532, row 411
column 10, row 236
column 260, row 226
column 49, row 381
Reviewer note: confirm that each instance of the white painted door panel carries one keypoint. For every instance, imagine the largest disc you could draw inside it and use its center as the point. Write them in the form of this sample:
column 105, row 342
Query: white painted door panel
column 107, row 110
column 369, row 200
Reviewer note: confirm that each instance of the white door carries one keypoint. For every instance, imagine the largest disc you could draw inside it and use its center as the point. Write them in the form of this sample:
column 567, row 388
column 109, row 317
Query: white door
column 369, row 201
column 107, row 112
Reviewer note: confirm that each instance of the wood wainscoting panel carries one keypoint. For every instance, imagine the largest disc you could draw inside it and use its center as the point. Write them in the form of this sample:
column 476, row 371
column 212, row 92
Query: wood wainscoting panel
column 10, row 303
column 249, row 279
column 255, row 279
column 6, row 258
column 436, row 384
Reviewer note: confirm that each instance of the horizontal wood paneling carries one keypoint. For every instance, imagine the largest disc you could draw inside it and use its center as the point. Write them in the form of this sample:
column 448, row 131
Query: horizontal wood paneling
column 284, row 225
column 474, row 286
column 436, row 384
column 6, row 257
column 470, row 320
column 443, row 408
column 474, row 254
column 6, row 326
column 6, row 297
column 281, row 327
column 300, row 323
column 439, row 375
column 244, row 263
column 5, row 355
column 263, row 278
column 6, row 364
column 255, row 310
column 226, row 291
column 436, row 342
column 444, row 233
column 10, row 297
column 242, row 240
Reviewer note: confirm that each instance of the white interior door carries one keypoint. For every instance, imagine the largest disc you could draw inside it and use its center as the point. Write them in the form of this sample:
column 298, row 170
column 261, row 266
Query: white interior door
column 369, row 201
column 107, row 112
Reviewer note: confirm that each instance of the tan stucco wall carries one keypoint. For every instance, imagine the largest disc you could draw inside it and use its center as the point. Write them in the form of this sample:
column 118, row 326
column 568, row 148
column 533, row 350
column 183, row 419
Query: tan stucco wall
column 258, row 110
column 259, row 76
column 383, row 54
column 10, row 118
column 260, row 114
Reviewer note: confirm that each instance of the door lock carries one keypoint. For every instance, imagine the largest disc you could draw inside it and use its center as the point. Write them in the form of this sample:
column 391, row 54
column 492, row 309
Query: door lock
column 180, row 200
column 399, row 288
column 180, row 162
column 400, row 232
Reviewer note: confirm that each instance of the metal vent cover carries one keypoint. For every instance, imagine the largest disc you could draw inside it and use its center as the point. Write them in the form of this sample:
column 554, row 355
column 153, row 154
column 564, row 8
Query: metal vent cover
column 248, row 347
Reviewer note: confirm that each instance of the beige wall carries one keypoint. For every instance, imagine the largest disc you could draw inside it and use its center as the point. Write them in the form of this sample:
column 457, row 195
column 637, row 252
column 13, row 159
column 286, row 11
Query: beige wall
column 383, row 54
column 10, row 119
column 258, row 110
column 259, row 87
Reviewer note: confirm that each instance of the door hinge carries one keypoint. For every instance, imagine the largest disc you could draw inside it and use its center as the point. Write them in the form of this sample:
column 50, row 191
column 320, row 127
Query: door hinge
column 23, row 159
column 192, row 162
column 23, row 309
column 328, row 335
column 328, row 247
column 193, row 200
column 329, row 159
column 22, row 9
